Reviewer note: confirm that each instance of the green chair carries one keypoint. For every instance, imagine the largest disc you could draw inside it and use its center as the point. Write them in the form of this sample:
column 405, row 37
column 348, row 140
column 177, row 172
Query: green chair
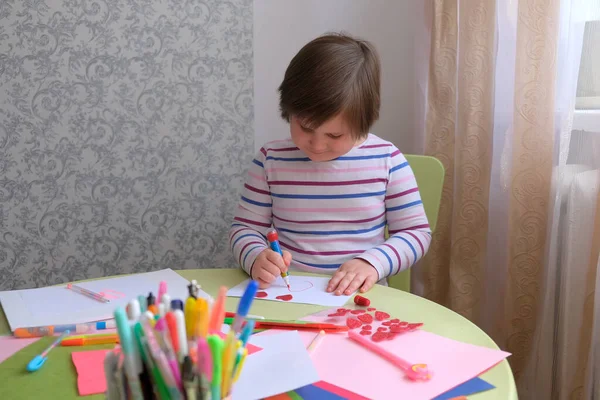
column 429, row 173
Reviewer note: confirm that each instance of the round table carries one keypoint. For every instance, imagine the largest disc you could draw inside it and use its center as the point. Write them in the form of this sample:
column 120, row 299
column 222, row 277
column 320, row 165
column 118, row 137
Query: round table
column 436, row 318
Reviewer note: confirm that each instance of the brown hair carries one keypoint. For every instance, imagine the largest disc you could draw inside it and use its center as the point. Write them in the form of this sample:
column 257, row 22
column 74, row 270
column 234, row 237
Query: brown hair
column 333, row 74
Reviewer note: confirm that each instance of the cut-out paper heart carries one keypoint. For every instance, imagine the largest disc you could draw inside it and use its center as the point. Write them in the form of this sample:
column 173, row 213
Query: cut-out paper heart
column 365, row 318
column 366, row 327
column 363, row 332
column 412, row 327
column 382, row 329
column 378, row 336
column 381, row 316
column 397, row 329
column 371, row 309
column 387, row 323
column 353, row 323
column 357, row 311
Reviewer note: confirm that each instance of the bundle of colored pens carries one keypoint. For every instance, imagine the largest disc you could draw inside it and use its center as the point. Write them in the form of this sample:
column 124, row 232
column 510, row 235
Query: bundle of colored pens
column 172, row 350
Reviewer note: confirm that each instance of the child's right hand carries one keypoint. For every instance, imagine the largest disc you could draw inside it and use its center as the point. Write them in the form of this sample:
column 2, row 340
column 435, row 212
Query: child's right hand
column 268, row 266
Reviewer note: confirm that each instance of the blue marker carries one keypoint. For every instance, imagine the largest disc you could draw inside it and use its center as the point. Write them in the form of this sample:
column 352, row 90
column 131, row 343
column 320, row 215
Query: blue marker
column 40, row 359
column 273, row 239
column 246, row 332
column 244, row 306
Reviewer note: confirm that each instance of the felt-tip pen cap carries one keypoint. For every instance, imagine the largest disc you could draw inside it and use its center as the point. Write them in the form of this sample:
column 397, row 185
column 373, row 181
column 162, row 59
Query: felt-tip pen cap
column 151, row 299
column 124, row 330
column 176, row 305
column 247, row 298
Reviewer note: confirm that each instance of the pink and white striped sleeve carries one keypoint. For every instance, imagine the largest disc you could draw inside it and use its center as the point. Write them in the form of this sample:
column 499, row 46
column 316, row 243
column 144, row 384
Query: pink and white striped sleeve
column 253, row 215
column 408, row 227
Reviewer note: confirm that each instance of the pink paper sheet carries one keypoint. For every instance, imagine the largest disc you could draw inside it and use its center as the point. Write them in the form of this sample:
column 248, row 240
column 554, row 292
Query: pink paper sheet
column 345, row 363
column 90, row 371
column 9, row 345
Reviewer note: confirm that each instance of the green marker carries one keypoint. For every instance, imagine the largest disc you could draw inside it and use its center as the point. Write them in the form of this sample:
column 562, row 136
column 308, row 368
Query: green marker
column 216, row 349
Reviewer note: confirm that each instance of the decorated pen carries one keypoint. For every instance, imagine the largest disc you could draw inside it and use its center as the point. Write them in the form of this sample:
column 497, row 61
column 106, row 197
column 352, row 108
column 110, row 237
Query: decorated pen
column 273, row 239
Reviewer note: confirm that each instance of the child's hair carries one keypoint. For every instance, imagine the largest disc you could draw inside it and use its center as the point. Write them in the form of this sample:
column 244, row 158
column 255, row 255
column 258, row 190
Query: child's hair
column 333, row 74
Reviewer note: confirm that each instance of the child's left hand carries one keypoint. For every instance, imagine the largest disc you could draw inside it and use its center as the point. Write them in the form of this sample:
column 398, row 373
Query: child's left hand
column 351, row 275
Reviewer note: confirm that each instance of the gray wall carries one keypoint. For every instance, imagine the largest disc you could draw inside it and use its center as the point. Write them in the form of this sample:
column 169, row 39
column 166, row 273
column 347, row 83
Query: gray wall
column 125, row 130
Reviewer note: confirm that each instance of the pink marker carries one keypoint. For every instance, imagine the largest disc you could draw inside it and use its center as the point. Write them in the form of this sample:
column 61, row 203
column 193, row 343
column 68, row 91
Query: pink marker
column 162, row 289
column 412, row 371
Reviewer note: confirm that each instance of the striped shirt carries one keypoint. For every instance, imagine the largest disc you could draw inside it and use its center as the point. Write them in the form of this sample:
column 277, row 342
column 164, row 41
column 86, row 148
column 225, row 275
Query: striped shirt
column 329, row 212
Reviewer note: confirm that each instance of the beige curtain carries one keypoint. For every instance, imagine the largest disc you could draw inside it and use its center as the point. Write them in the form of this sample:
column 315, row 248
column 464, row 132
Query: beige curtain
column 517, row 244
column 503, row 285
column 459, row 133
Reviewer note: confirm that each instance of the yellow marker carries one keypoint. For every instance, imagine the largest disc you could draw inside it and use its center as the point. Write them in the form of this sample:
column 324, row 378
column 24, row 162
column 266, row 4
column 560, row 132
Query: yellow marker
column 190, row 316
column 238, row 370
column 228, row 361
column 201, row 323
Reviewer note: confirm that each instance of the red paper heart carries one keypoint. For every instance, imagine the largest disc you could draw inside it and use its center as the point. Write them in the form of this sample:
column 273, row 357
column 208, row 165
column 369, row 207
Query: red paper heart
column 366, row 327
column 363, row 332
column 397, row 329
column 412, row 327
column 371, row 309
column 381, row 316
column 366, row 318
column 357, row 311
column 387, row 323
column 353, row 323
column 382, row 329
column 394, row 321
column 378, row 336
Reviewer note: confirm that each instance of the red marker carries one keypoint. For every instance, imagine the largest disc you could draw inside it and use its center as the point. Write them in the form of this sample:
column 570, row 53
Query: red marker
column 273, row 239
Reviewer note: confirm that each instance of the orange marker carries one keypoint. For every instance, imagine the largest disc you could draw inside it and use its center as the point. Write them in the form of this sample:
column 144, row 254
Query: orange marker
column 172, row 326
column 90, row 340
column 217, row 315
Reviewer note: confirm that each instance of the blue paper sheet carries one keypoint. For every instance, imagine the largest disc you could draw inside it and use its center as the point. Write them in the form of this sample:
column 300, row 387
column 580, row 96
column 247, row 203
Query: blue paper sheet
column 314, row 392
column 473, row 386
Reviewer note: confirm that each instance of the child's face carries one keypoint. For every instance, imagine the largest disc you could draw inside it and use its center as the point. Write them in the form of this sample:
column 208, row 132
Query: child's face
column 329, row 141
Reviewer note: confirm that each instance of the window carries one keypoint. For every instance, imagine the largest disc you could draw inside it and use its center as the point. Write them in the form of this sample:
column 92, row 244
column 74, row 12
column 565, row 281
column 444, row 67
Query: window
column 587, row 105
column 588, row 85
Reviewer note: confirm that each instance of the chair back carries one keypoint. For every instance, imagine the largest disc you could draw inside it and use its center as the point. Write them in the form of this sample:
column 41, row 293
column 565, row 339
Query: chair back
column 429, row 173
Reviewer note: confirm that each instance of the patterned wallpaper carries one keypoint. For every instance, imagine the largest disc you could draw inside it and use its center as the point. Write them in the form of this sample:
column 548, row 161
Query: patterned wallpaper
column 126, row 127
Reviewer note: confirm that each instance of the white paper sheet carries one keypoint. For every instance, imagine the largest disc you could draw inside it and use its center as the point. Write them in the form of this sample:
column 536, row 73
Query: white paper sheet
column 58, row 305
column 282, row 365
column 305, row 289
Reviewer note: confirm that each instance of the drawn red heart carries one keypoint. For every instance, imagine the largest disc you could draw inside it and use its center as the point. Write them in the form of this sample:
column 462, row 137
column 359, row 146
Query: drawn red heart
column 366, row 318
column 261, row 295
column 353, row 323
column 285, row 297
column 381, row 316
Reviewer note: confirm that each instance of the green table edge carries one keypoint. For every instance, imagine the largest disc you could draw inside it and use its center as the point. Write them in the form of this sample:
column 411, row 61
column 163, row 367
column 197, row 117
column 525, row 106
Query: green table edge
column 442, row 321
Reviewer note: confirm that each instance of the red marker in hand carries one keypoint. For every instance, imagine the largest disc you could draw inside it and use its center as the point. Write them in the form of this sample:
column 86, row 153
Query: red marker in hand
column 273, row 239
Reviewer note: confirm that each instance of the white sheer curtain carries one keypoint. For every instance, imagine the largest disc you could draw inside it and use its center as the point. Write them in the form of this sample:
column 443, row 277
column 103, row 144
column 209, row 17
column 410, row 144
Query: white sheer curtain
column 559, row 346
column 557, row 368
